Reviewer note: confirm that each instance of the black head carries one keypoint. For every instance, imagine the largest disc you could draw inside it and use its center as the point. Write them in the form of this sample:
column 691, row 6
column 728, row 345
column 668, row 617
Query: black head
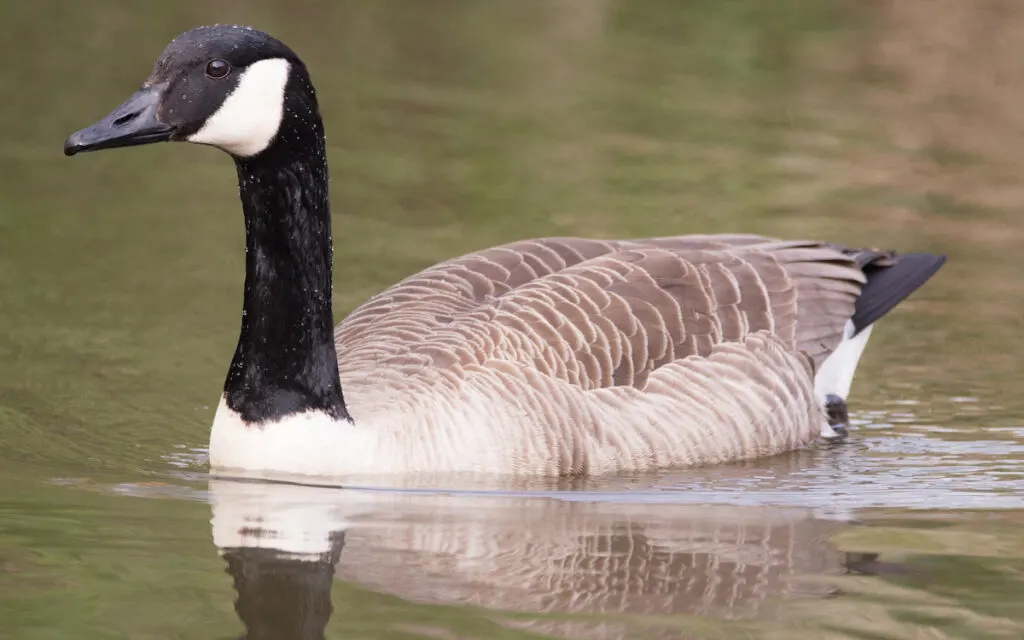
column 226, row 86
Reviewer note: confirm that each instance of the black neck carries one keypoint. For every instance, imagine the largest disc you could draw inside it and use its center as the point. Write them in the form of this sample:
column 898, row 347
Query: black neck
column 286, row 361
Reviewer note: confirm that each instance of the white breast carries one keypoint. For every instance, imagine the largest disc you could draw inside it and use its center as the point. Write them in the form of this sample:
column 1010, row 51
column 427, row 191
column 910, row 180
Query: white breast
column 387, row 439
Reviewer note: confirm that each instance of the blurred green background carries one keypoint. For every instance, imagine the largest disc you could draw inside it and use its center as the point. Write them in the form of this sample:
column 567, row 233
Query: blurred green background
column 458, row 124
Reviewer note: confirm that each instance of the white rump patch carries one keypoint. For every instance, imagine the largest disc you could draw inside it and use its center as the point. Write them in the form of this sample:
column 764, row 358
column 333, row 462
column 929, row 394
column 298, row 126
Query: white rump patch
column 836, row 373
column 250, row 116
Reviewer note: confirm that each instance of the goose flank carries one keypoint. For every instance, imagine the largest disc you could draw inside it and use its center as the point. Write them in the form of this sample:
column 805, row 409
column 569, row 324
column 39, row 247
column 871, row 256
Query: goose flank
column 549, row 356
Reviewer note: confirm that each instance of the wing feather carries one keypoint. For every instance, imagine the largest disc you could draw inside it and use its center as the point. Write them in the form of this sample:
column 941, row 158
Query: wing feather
column 608, row 313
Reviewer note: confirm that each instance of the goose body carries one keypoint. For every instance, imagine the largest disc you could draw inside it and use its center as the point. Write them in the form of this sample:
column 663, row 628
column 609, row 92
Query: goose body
column 549, row 356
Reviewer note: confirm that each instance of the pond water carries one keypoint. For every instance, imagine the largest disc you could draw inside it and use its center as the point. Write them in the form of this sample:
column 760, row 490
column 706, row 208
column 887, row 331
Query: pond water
column 454, row 125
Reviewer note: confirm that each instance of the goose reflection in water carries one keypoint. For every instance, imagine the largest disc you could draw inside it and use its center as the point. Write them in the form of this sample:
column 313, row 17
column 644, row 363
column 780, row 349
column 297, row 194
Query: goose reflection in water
column 285, row 544
column 280, row 594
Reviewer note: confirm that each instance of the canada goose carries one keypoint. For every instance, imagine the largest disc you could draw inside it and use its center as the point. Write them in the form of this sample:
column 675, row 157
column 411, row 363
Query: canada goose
column 546, row 356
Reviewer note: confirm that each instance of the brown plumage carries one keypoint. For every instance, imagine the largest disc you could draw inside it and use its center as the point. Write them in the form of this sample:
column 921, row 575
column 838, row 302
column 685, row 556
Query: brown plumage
column 587, row 355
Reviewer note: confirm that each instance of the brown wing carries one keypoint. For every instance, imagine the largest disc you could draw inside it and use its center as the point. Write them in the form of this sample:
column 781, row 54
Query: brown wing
column 605, row 313
column 413, row 309
column 827, row 279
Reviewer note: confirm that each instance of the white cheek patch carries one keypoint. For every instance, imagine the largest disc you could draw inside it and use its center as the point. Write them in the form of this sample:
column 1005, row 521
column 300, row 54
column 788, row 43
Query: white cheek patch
column 250, row 116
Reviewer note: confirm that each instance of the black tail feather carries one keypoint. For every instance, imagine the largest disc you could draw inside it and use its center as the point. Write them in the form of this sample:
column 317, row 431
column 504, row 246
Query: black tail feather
column 890, row 282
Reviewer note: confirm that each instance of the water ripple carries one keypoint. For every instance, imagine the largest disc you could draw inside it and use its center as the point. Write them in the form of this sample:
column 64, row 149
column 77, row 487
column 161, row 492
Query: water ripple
column 891, row 460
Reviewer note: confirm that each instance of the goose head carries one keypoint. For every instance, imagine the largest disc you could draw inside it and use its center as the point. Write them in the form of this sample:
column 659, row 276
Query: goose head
column 231, row 87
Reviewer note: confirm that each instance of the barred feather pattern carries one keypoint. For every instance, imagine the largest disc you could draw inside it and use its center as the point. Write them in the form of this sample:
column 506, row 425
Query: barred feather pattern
column 568, row 355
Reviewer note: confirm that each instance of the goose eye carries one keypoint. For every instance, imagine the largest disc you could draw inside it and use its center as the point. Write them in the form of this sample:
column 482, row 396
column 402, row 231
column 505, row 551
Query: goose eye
column 217, row 68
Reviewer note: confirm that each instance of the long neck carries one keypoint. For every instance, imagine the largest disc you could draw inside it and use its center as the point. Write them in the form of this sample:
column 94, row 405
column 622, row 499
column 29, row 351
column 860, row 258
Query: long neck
column 286, row 361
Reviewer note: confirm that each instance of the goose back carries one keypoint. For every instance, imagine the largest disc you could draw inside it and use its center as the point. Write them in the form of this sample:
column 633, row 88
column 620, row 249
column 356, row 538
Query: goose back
column 608, row 313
